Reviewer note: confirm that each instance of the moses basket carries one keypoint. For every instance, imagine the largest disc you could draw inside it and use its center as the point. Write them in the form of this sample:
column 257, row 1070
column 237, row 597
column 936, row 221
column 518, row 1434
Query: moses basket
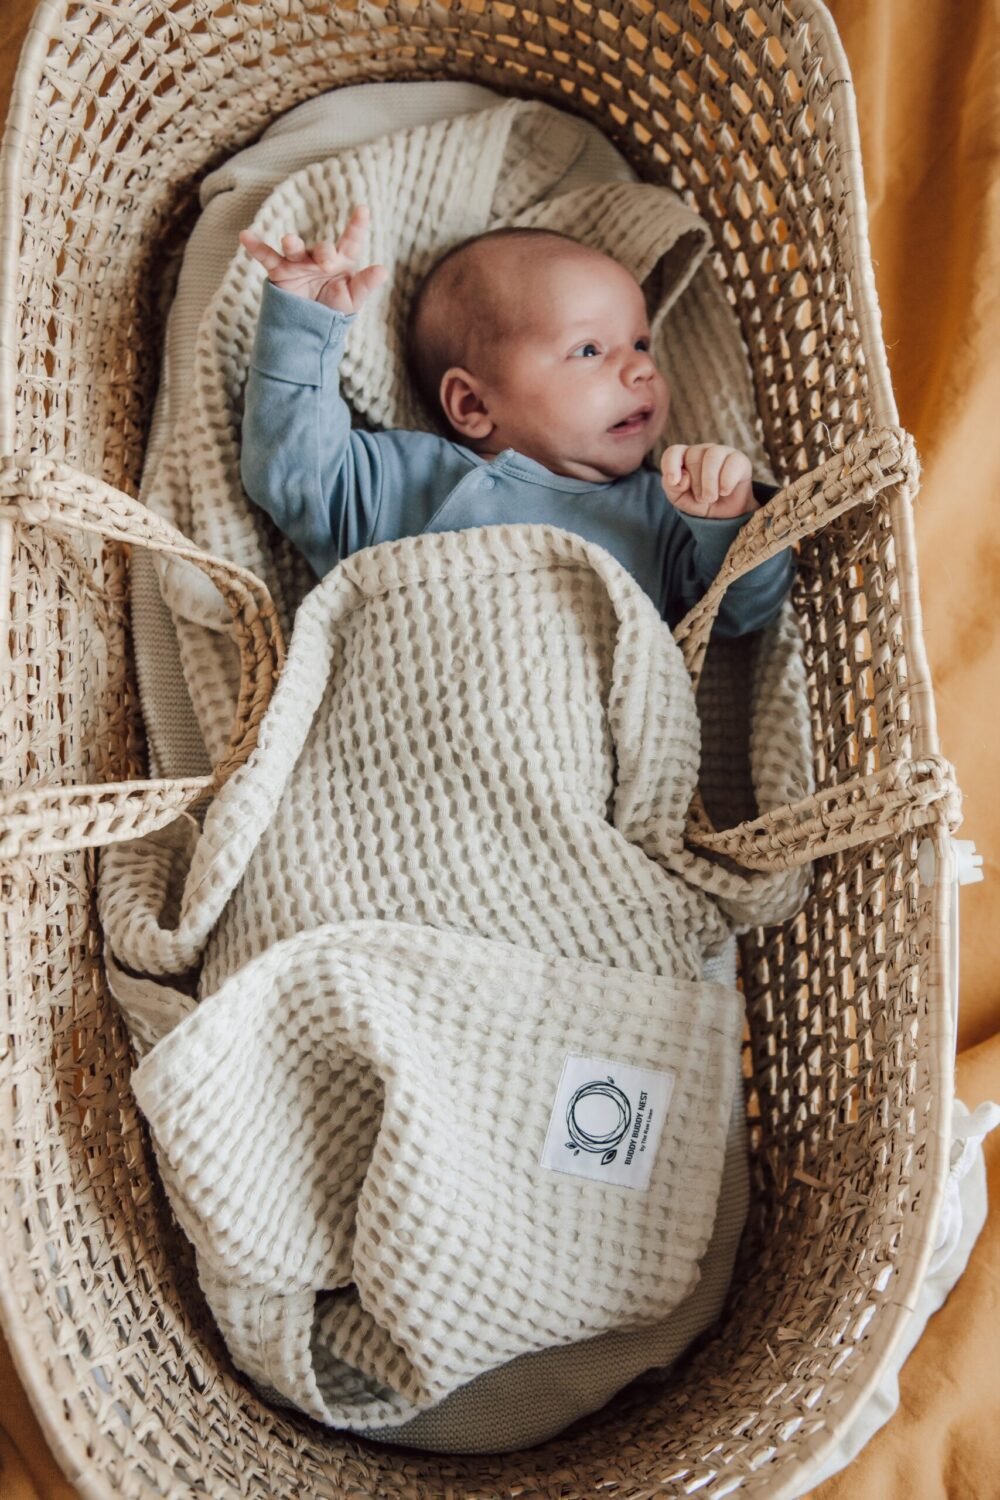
column 118, row 112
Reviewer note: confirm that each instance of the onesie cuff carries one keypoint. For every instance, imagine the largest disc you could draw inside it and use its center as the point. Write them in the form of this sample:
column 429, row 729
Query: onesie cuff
column 293, row 334
column 714, row 534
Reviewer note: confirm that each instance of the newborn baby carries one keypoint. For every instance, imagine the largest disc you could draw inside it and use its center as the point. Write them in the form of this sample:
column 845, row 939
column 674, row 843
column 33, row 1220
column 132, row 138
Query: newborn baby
column 533, row 353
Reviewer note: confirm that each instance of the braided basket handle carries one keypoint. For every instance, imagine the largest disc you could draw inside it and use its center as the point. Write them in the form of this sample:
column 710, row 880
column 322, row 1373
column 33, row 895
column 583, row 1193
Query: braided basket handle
column 49, row 820
column 58, row 819
column 873, row 462
column 904, row 795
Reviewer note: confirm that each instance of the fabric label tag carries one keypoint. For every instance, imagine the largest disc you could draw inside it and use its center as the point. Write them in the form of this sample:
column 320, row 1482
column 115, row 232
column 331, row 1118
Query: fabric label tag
column 606, row 1121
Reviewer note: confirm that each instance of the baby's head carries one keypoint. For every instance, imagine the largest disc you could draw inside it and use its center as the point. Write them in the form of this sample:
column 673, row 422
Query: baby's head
column 526, row 339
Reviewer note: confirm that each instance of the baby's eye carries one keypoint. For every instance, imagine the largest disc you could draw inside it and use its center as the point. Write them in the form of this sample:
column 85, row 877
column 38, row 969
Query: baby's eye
column 583, row 349
column 642, row 344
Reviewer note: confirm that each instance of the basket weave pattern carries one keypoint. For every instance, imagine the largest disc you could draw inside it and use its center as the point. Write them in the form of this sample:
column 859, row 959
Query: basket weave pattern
column 118, row 113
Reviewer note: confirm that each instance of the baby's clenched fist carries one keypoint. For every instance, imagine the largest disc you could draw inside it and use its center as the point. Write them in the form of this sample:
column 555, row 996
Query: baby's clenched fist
column 708, row 479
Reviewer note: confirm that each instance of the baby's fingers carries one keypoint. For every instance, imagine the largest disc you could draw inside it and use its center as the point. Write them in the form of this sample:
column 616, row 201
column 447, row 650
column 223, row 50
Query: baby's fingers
column 672, row 466
column 712, row 459
column 294, row 247
column 327, row 257
column 351, row 240
column 367, row 281
column 736, row 468
column 349, row 293
column 260, row 250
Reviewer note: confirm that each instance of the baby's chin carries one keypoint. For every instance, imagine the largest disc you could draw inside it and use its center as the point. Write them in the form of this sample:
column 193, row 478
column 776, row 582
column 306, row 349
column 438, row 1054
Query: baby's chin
column 601, row 461
column 625, row 458
column 601, row 465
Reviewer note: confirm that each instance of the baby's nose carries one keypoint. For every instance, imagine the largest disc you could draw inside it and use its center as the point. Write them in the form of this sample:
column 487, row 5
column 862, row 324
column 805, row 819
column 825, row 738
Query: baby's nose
column 638, row 366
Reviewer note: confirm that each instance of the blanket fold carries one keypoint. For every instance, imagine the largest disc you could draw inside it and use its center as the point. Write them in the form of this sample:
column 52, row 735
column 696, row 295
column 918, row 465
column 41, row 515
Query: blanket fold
column 391, row 1089
column 453, row 864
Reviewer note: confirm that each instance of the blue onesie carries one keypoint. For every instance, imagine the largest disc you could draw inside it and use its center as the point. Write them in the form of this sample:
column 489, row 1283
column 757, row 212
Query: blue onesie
column 334, row 490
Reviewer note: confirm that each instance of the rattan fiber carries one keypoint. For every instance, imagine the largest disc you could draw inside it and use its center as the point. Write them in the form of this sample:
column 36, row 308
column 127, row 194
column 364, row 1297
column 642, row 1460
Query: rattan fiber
column 118, row 111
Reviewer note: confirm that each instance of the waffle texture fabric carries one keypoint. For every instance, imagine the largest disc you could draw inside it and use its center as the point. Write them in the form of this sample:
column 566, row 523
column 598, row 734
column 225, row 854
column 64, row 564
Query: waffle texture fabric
column 537, row 1395
column 454, row 859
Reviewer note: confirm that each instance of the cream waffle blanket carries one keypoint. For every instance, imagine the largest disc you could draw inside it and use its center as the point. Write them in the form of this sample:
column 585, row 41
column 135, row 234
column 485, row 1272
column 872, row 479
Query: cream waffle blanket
column 450, row 876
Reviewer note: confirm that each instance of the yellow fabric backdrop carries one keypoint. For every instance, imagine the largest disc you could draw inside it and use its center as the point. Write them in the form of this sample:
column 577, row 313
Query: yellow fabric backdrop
column 927, row 77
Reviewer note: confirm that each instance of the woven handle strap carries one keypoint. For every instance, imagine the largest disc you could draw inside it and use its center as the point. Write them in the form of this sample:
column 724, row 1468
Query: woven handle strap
column 893, row 800
column 56, row 819
column 875, row 461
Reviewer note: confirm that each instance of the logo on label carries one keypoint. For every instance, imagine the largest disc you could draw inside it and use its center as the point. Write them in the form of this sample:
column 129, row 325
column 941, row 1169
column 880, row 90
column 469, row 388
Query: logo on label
column 588, row 1113
column 606, row 1121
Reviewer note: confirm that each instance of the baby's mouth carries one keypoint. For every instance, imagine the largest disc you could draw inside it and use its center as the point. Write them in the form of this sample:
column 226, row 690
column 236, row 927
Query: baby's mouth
column 634, row 421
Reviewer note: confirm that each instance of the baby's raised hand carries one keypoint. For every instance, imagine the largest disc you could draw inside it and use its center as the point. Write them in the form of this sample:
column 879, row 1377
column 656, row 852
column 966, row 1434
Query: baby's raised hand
column 325, row 272
column 707, row 479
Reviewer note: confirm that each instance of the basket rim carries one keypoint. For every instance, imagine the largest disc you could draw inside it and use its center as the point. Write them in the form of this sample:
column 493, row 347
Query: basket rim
column 69, row 1448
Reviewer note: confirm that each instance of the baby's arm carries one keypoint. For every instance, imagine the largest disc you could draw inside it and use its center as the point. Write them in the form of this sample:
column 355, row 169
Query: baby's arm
column 300, row 460
column 712, row 495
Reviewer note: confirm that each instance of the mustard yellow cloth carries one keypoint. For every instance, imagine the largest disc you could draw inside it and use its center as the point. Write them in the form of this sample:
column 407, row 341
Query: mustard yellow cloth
column 928, row 83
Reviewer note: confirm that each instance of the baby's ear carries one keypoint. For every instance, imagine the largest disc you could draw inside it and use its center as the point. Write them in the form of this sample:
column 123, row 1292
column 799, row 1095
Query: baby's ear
column 462, row 403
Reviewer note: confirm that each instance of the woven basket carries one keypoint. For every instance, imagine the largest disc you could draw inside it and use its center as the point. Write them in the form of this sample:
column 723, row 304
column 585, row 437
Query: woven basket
column 118, row 112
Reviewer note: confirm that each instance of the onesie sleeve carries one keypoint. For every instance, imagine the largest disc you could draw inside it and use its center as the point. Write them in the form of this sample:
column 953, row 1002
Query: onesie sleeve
column 695, row 552
column 300, row 459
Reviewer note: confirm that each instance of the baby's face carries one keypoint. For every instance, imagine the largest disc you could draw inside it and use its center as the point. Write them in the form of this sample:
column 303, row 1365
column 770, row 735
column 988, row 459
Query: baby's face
column 576, row 387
